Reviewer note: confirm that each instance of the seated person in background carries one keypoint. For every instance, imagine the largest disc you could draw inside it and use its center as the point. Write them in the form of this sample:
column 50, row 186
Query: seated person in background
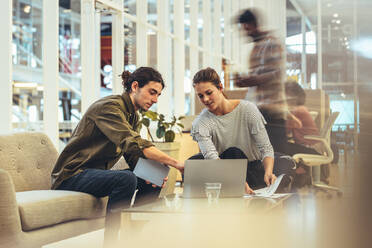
column 232, row 129
column 296, row 101
column 108, row 131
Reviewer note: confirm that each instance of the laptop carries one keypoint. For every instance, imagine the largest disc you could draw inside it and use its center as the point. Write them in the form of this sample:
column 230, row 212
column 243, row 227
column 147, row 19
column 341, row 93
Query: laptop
column 231, row 173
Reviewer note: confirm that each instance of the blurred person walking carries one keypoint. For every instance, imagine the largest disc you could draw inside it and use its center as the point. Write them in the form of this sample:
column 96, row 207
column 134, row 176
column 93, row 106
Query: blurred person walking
column 265, row 77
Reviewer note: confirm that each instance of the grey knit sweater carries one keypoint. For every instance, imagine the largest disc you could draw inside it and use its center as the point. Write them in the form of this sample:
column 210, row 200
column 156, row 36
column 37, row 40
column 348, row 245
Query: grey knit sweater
column 244, row 128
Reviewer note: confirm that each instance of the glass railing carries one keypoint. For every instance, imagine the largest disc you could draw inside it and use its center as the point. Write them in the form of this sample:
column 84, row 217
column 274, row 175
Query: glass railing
column 28, row 103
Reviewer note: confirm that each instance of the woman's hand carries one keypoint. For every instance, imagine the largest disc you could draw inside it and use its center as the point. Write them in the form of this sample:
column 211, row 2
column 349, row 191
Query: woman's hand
column 269, row 178
column 248, row 189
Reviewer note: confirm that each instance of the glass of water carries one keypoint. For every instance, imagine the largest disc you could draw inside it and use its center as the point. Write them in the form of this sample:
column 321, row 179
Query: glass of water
column 212, row 191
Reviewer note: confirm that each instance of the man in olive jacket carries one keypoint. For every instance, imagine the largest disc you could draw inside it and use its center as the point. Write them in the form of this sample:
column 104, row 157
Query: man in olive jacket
column 107, row 131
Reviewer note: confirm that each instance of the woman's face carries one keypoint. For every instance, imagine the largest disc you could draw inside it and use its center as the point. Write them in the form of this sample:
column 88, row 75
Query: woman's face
column 209, row 95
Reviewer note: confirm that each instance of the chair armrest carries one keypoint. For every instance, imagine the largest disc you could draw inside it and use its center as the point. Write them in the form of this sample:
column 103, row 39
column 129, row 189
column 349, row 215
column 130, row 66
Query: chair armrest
column 327, row 148
column 322, row 140
column 314, row 137
column 10, row 228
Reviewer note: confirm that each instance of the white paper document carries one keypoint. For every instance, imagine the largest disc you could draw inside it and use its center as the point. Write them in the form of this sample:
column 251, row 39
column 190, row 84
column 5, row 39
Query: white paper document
column 268, row 191
column 151, row 170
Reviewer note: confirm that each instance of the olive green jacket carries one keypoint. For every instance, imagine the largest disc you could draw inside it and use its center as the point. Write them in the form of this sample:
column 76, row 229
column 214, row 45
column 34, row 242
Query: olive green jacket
column 107, row 131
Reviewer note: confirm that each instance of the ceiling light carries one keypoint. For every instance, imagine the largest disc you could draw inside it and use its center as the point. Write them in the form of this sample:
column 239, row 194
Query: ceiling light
column 24, row 85
column 27, row 9
column 107, row 68
column 338, row 21
column 335, row 15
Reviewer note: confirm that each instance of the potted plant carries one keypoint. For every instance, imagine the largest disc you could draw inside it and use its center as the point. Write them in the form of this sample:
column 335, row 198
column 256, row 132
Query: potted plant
column 165, row 131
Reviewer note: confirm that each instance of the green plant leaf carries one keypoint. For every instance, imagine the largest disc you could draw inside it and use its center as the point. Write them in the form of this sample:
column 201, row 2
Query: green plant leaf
column 151, row 114
column 181, row 117
column 169, row 136
column 181, row 125
column 146, row 122
column 160, row 132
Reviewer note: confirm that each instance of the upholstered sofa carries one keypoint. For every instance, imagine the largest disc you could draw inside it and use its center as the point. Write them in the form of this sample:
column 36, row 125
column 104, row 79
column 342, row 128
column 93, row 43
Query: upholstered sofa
column 31, row 214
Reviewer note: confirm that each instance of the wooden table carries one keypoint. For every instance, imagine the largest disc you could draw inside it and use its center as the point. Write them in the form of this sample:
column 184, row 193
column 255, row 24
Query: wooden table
column 174, row 217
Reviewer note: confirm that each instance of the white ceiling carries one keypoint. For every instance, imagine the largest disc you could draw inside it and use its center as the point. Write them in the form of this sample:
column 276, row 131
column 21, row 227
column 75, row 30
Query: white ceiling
column 344, row 8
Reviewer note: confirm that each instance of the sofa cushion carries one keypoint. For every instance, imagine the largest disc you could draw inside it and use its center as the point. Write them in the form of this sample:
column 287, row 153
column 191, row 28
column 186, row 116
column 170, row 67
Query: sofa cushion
column 40, row 208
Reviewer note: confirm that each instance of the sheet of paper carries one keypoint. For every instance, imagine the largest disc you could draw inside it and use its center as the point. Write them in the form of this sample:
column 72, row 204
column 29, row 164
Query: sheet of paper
column 151, row 170
column 269, row 190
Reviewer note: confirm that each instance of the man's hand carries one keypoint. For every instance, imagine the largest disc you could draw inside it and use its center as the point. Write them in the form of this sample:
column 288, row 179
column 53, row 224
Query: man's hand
column 269, row 178
column 248, row 189
column 180, row 166
column 163, row 185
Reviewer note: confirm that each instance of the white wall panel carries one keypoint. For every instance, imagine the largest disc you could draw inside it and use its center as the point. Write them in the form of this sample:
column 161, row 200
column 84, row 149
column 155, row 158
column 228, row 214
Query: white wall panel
column 6, row 66
column 179, row 57
column 50, row 69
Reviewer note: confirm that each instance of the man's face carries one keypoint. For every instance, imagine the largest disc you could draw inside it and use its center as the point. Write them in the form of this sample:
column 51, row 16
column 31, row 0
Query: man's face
column 250, row 29
column 145, row 97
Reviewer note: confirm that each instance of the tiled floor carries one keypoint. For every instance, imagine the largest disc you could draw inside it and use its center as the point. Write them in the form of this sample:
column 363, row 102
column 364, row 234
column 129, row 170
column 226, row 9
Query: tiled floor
column 312, row 219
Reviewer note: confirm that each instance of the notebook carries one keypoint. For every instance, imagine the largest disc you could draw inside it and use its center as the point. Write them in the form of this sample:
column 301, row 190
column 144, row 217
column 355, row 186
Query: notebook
column 231, row 173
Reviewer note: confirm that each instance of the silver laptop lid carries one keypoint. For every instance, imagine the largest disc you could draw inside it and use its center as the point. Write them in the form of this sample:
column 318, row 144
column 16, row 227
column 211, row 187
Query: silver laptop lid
column 231, row 173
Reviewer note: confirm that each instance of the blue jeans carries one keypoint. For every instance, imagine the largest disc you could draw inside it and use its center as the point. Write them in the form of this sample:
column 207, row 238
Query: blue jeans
column 118, row 185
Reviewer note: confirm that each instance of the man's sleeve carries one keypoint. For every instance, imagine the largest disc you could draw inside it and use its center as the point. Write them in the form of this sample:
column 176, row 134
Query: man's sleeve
column 113, row 124
column 270, row 59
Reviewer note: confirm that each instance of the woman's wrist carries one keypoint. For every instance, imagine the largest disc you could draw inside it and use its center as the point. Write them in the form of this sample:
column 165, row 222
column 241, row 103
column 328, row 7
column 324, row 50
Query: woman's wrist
column 268, row 165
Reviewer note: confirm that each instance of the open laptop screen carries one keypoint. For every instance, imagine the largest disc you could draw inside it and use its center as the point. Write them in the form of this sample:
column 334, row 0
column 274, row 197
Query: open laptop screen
column 231, row 173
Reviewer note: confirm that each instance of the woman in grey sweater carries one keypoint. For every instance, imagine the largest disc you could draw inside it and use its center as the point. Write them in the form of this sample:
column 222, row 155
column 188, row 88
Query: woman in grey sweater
column 229, row 129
